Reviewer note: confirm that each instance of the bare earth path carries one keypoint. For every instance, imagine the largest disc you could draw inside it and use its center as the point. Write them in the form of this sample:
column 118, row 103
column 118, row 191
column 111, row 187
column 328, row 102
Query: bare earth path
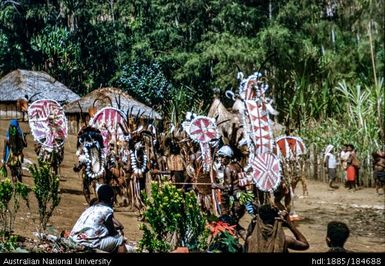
column 362, row 210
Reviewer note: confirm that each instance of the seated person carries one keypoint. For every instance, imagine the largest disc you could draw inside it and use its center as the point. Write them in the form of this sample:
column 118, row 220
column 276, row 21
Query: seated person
column 337, row 234
column 266, row 234
column 97, row 228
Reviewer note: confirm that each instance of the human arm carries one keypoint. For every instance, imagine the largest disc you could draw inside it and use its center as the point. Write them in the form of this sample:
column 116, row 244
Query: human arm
column 187, row 180
column 381, row 162
column 25, row 143
column 110, row 225
column 352, row 157
column 4, row 151
column 326, row 163
column 118, row 225
column 298, row 242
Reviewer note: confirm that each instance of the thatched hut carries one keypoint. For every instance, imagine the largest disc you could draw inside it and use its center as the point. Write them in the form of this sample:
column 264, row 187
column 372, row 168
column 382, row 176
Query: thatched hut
column 227, row 120
column 24, row 85
column 79, row 111
column 230, row 119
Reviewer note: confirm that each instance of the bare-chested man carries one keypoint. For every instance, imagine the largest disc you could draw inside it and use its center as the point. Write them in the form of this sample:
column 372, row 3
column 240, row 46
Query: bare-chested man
column 266, row 232
column 379, row 169
column 230, row 187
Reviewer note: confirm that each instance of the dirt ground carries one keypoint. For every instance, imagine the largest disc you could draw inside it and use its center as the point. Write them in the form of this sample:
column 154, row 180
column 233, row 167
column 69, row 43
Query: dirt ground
column 362, row 210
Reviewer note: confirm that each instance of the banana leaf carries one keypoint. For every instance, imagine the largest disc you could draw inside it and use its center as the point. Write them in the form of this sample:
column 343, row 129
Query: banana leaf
column 245, row 197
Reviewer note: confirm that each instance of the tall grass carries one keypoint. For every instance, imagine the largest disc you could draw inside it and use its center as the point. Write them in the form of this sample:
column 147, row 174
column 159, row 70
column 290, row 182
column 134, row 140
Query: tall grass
column 363, row 115
column 360, row 122
column 183, row 100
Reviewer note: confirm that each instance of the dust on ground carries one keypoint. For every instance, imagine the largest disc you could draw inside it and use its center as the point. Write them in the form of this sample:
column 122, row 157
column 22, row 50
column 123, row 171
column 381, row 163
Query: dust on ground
column 363, row 210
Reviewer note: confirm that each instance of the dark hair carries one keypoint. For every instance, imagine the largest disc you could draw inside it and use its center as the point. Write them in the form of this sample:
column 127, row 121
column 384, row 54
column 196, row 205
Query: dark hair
column 93, row 201
column 350, row 146
column 174, row 149
column 105, row 193
column 268, row 214
column 337, row 232
column 227, row 219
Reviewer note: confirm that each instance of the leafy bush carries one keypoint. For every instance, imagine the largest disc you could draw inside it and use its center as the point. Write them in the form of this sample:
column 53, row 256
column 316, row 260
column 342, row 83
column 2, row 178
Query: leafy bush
column 46, row 190
column 7, row 211
column 174, row 219
column 9, row 244
column 223, row 239
column 224, row 242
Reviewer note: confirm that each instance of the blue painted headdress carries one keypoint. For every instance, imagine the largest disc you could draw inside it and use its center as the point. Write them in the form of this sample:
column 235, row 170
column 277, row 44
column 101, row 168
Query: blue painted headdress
column 14, row 129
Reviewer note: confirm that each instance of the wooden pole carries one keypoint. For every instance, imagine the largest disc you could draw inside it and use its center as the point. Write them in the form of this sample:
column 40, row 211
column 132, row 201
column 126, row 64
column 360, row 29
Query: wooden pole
column 372, row 52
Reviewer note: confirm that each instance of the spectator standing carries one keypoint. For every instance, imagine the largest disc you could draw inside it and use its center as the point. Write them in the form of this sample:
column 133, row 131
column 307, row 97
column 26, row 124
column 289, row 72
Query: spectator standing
column 330, row 163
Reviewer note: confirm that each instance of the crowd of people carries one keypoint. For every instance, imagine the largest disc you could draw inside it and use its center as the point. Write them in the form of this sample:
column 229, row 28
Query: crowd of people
column 97, row 227
column 350, row 164
column 221, row 167
column 119, row 152
column 264, row 234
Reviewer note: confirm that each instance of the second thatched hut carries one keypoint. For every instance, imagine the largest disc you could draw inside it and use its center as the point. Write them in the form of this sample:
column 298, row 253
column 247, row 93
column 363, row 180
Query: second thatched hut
column 78, row 112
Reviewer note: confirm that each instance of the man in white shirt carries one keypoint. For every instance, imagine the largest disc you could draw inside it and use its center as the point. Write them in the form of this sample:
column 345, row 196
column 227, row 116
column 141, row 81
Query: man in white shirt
column 97, row 227
column 331, row 165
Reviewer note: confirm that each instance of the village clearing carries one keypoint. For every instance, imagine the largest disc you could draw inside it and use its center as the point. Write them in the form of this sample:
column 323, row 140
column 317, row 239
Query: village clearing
column 362, row 210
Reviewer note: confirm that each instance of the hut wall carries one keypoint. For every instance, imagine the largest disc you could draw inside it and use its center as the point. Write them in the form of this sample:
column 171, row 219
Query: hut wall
column 8, row 110
column 72, row 123
column 75, row 123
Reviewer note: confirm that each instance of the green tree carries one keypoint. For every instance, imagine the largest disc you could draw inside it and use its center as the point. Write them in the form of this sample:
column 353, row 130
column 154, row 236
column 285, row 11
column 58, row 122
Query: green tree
column 146, row 82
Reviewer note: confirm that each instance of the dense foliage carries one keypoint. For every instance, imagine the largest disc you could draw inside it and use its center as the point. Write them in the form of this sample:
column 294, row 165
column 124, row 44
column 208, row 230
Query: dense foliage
column 173, row 53
column 9, row 207
column 173, row 219
column 145, row 81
